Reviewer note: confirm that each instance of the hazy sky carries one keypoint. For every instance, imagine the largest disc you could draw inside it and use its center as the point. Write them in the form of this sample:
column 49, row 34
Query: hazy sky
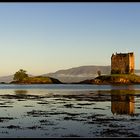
column 46, row 37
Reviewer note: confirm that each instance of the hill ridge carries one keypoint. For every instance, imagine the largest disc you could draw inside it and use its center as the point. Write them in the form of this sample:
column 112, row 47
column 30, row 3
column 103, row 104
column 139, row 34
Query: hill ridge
column 74, row 74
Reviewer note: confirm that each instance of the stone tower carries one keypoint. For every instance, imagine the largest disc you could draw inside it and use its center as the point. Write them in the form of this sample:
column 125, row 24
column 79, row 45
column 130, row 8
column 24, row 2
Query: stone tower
column 122, row 63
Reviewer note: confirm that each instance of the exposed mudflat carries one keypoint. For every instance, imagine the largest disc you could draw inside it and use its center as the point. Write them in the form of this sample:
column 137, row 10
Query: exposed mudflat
column 98, row 113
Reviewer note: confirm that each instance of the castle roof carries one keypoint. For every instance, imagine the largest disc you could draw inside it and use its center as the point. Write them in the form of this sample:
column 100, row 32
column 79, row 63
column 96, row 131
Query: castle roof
column 123, row 54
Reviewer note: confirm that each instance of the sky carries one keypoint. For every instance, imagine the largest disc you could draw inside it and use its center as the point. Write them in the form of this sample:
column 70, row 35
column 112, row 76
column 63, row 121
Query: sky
column 46, row 37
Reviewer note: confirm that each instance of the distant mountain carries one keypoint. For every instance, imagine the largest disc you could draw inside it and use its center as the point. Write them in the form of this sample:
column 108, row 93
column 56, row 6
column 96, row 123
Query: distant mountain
column 75, row 74
column 6, row 79
column 81, row 73
column 137, row 72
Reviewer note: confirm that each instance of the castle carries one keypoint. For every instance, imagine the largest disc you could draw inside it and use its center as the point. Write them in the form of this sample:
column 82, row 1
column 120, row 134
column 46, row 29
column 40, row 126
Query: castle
column 122, row 63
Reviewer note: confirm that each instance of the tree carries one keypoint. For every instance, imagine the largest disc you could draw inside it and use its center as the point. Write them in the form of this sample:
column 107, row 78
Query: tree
column 99, row 73
column 20, row 75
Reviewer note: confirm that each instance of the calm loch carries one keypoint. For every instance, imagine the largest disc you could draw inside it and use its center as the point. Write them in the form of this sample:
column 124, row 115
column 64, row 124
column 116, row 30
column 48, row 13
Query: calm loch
column 32, row 111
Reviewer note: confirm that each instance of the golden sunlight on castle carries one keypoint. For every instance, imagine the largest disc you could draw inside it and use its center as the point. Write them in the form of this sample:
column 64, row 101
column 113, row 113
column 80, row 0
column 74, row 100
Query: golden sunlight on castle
column 122, row 63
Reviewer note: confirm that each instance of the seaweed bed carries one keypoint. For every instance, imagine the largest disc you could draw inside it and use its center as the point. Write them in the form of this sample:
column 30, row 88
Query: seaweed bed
column 71, row 115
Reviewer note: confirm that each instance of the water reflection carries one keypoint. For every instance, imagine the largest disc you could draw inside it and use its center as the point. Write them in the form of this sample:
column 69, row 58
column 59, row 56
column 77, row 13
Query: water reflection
column 21, row 92
column 122, row 102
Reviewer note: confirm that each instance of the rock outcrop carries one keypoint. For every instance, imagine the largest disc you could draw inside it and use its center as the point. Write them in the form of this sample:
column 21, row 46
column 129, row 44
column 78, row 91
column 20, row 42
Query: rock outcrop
column 114, row 79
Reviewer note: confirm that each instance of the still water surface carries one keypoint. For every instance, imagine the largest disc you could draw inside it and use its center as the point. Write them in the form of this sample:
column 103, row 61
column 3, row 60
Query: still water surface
column 32, row 111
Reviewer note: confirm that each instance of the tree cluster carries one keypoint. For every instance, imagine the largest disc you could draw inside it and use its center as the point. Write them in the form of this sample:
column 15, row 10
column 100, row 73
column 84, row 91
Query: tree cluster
column 20, row 75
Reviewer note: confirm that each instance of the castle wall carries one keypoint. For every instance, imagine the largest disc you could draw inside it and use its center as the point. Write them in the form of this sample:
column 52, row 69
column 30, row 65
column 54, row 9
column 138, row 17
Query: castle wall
column 122, row 63
column 131, row 63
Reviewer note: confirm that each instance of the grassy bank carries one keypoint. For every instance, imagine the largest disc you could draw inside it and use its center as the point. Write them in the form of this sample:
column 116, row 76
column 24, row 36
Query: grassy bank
column 38, row 80
column 118, row 78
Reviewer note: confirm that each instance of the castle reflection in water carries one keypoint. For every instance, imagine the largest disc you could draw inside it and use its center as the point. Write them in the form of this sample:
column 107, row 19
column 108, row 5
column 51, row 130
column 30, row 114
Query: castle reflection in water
column 122, row 102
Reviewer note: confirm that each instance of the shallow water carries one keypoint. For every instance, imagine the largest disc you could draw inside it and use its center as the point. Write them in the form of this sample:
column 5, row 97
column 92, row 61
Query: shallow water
column 31, row 111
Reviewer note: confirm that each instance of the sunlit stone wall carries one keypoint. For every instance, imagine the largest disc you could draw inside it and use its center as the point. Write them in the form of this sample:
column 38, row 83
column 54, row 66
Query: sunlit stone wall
column 122, row 63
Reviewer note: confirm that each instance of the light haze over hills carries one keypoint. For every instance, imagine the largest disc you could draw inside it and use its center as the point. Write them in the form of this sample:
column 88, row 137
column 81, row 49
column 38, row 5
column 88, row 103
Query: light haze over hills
column 75, row 74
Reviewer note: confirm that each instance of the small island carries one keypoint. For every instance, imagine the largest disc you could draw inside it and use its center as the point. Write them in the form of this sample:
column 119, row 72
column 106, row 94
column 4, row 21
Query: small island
column 122, row 71
column 114, row 79
column 21, row 77
column 38, row 80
